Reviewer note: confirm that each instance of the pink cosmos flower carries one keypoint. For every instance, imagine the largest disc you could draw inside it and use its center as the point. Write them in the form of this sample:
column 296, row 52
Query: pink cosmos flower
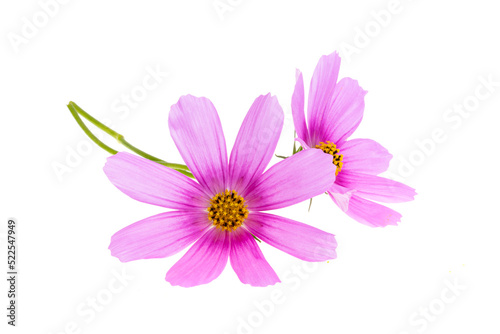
column 334, row 111
column 221, row 213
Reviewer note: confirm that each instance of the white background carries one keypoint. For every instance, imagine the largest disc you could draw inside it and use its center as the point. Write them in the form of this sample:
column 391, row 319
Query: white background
column 428, row 58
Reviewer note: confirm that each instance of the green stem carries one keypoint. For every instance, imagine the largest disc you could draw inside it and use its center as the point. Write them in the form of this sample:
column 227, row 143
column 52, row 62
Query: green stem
column 88, row 133
column 256, row 238
column 76, row 111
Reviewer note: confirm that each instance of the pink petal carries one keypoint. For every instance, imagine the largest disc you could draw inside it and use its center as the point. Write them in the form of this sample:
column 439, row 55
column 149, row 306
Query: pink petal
column 256, row 142
column 302, row 143
column 375, row 187
column 371, row 214
column 297, row 239
column 248, row 261
column 293, row 180
column 341, row 196
column 321, row 92
column 203, row 262
column 299, row 118
column 158, row 236
column 365, row 155
column 197, row 132
column 149, row 182
column 344, row 113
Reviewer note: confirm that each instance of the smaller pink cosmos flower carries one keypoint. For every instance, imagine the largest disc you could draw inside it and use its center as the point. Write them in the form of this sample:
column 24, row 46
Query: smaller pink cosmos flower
column 334, row 111
column 220, row 213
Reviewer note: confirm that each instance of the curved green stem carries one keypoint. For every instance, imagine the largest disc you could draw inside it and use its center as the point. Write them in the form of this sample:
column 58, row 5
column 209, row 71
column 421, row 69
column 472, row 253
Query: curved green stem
column 76, row 111
column 148, row 156
column 89, row 133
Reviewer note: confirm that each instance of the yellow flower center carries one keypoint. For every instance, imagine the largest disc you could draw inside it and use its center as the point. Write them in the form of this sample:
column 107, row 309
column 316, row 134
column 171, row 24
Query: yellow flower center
column 227, row 210
column 331, row 148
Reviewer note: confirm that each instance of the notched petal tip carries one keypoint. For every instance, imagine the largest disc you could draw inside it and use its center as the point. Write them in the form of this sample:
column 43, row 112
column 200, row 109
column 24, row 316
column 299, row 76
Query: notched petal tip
column 331, row 56
column 372, row 214
column 272, row 100
column 298, row 75
column 197, row 132
column 292, row 237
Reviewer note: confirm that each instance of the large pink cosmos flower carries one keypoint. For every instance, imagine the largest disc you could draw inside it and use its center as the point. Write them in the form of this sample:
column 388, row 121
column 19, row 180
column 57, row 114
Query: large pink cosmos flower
column 221, row 212
column 334, row 111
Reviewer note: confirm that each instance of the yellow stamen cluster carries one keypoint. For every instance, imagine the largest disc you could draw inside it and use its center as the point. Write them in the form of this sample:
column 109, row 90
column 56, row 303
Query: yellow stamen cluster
column 331, row 148
column 227, row 210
